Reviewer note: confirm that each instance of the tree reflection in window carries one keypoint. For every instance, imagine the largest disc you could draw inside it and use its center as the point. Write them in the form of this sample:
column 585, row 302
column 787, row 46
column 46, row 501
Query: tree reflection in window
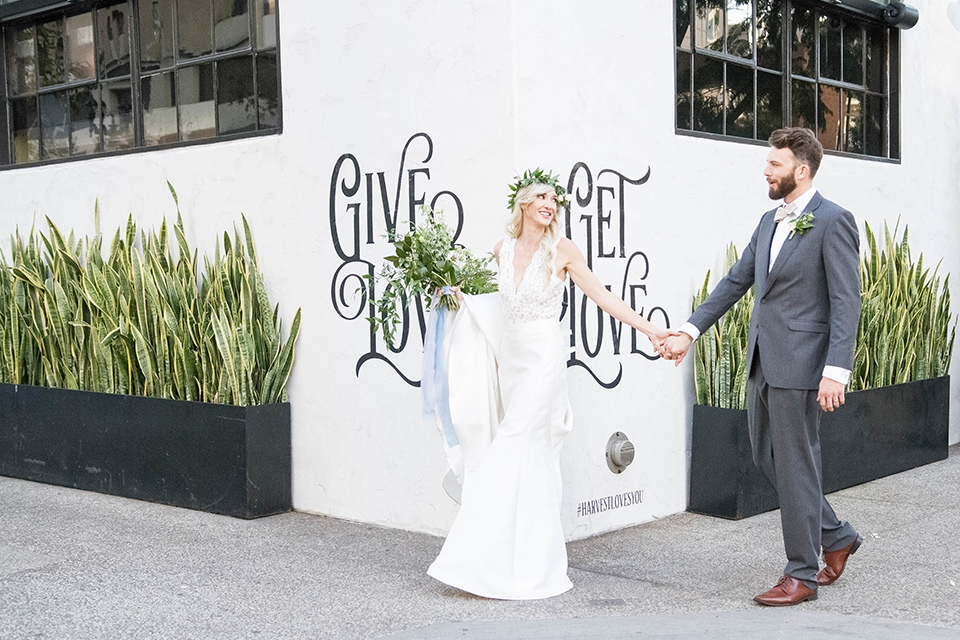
column 731, row 80
column 739, row 28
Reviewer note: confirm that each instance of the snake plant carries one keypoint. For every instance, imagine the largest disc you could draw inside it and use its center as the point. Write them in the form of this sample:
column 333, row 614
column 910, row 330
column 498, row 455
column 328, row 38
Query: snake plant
column 139, row 320
column 906, row 329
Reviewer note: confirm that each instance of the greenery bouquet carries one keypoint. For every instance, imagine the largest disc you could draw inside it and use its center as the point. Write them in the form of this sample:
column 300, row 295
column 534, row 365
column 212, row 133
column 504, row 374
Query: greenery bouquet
column 425, row 260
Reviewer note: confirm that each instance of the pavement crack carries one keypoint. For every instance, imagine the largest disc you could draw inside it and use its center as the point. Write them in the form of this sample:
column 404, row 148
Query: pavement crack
column 615, row 574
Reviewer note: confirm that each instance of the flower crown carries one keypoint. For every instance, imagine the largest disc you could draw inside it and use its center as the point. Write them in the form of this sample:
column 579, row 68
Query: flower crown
column 536, row 176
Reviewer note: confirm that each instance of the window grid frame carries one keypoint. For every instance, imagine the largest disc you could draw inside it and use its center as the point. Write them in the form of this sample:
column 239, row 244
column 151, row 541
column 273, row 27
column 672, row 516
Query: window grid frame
column 6, row 144
column 253, row 51
column 889, row 96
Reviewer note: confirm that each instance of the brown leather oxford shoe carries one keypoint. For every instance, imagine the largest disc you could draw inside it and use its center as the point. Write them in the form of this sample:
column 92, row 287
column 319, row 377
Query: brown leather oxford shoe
column 788, row 591
column 836, row 561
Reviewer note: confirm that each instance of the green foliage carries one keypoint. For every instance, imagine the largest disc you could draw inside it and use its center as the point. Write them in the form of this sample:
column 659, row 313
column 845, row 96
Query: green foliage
column 905, row 332
column 425, row 260
column 720, row 363
column 537, row 176
column 801, row 224
column 140, row 321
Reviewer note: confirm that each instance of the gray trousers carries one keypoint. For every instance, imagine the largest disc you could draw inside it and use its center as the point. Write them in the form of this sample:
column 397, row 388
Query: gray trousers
column 785, row 437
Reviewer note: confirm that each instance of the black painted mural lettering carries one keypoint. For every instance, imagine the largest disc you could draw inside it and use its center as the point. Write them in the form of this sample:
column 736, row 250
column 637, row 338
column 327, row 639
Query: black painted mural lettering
column 601, row 229
column 351, row 293
column 599, row 205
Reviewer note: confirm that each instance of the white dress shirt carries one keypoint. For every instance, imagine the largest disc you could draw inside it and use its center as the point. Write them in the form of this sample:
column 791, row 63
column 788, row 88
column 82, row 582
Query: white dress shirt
column 783, row 229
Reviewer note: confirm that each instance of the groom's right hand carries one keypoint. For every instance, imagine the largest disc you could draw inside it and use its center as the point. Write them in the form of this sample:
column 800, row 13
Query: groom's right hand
column 675, row 347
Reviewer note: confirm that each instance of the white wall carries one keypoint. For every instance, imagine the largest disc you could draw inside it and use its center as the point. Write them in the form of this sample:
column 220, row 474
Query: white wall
column 498, row 86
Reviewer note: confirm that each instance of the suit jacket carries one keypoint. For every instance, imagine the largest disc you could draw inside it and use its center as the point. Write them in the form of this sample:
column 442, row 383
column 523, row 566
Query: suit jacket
column 807, row 308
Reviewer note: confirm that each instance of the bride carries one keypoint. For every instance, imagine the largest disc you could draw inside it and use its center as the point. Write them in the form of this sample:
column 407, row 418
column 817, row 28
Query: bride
column 507, row 541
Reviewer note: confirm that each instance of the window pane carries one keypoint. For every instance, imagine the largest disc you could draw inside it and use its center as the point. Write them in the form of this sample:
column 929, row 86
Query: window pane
column 236, row 108
column 683, row 22
column 769, row 28
column 683, row 90
column 853, row 54
column 156, row 34
column 50, row 51
column 113, row 25
column 804, row 104
column 830, row 118
column 874, row 117
column 709, row 21
column 21, row 60
column 830, row 47
column 853, row 121
column 876, row 58
column 117, row 105
column 197, row 112
column 804, row 42
column 769, row 104
column 26, row 130
column 740, row 28
column 266, row 20
column 78, row 37
column 194, row 28
column 54, row 118
column 158, row 95
column 740, row 100
column 707, row 94
column 268, row 94
column 231, row 24
column 84, row 121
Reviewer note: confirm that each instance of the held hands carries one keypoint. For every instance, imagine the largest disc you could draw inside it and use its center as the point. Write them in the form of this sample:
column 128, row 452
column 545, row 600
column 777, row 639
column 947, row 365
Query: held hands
column 657, row 337
column 830, row 395
column 675, row 347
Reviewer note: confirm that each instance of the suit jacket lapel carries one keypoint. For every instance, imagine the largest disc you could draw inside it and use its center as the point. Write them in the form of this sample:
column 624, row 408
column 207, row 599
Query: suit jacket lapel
column 765, row 239
column 789, row 246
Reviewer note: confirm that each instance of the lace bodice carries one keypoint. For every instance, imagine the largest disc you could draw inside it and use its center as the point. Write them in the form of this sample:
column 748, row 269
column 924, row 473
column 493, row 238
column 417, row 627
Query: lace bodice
column 537, row 298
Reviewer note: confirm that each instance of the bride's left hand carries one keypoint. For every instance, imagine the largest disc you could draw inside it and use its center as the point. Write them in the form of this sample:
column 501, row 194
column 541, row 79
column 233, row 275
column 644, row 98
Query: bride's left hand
column 659, row 335
column 454, row 290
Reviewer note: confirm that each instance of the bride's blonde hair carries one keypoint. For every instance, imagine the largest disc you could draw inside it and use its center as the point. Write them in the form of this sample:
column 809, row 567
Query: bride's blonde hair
column 548, row 243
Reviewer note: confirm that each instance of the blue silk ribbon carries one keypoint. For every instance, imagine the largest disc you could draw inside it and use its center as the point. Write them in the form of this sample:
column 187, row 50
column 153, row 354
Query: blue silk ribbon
column 434, row 381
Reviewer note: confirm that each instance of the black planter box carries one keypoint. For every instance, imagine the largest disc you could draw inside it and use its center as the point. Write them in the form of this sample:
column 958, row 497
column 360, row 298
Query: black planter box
column 217, row 458
column 876, row 433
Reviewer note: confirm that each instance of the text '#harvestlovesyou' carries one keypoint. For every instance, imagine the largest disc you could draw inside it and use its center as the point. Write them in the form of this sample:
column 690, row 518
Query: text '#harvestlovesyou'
column 609, row 503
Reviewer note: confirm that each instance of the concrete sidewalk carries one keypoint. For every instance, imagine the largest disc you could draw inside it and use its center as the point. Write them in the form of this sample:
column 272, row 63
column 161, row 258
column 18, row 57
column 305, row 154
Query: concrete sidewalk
column 82, row 565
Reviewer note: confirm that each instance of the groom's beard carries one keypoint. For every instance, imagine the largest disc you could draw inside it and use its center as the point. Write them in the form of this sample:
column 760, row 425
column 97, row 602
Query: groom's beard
column 783, row 188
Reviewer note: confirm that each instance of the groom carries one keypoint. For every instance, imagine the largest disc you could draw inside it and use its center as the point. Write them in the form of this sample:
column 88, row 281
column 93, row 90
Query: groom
column 803, row 261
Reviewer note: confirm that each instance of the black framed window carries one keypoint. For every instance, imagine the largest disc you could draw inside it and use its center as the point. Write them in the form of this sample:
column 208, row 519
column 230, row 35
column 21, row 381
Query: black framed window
column 118, row 75
column 747, row 67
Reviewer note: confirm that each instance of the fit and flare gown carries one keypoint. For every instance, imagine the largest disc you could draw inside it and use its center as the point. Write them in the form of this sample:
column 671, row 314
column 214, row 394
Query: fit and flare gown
column 507, row 541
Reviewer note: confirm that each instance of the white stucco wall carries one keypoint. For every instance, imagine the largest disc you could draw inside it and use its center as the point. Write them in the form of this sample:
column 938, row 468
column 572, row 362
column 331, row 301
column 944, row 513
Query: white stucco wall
column 497, row 86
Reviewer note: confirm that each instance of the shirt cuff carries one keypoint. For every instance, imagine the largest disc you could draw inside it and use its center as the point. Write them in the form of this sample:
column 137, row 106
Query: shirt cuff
column 690, row 330
column 837, row 374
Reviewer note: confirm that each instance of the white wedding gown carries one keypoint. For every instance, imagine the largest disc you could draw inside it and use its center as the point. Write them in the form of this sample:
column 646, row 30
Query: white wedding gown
column 507, row 540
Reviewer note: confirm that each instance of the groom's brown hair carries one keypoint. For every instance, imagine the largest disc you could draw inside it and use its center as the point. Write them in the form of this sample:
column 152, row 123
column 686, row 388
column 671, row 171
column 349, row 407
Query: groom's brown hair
column 802, row 142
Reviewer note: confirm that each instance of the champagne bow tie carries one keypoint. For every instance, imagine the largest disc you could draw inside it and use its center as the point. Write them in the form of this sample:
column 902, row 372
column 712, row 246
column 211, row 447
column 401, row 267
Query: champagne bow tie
column 783, row 211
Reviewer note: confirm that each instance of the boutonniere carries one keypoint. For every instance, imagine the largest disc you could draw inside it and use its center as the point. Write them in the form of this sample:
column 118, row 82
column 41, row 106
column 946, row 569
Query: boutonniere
column 800, row 224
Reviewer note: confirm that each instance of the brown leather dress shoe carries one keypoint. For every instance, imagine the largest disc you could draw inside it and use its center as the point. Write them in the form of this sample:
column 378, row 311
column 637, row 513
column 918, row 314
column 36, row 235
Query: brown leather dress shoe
column 836, row 561
column 788, row 591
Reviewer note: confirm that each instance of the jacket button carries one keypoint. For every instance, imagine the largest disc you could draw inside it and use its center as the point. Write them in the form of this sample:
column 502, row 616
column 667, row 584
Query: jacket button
column 763, row 301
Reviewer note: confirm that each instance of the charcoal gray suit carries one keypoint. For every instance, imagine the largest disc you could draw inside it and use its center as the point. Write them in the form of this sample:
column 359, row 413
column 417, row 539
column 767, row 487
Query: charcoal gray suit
column 805, row 317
